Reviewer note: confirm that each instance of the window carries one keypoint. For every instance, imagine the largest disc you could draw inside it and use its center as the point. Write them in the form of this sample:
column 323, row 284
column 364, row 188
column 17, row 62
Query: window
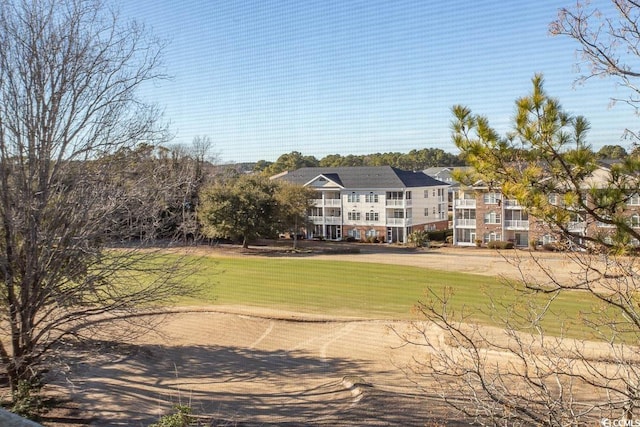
column 408, row 195
column 491, row 198
column 353, row 216
column 354, row 233
column 353, row 198
column 372, row 233
column 426, row 194
column 398, row 213
column 635, row 220
column 634, row 200
column 371, row 216
column 491, row 218
column 371, row 198
column 426, row 211
column 394, row 195
column 433, row 193
column 553, row 198
column 491, row 237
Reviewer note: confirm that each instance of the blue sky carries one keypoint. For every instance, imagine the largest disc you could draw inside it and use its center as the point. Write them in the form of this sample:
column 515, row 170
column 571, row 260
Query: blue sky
column 265, row 78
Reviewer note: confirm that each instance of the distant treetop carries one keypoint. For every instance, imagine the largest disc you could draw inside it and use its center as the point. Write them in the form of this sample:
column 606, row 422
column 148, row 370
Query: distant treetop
column 413, row 160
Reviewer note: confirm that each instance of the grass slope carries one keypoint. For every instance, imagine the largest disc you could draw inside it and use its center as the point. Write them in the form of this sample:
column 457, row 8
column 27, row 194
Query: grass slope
column 368, row 290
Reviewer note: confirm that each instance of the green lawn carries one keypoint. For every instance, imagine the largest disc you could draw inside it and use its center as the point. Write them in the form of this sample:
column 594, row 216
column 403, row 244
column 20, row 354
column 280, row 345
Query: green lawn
column 361, row 289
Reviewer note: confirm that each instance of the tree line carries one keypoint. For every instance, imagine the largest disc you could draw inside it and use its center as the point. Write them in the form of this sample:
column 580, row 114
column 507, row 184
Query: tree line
column 413, row 160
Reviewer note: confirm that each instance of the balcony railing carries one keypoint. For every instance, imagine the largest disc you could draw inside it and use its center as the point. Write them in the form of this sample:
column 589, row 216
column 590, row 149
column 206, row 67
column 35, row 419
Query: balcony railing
column 333, row 220
column 398, row 202
column 327, row 202
column 512, row 204
column 403, row 222
column 465, row 222
column 465, row 203
column 319, row 219
column 519, row 224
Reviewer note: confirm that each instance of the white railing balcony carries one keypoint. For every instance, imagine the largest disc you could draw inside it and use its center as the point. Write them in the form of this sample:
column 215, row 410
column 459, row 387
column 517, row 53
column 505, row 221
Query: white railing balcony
column 604, row 225
column 332, row 202
column 512, row 204
column 465, row 222
column 465, row 203
column 319, row 219
column 519, row 224
column 316, row 219
column 398, row 202
column 402, row 222
column 333, row 220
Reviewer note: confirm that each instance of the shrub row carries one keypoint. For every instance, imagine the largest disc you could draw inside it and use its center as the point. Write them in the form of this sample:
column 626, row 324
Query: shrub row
column 498, row 244
column 439, row 236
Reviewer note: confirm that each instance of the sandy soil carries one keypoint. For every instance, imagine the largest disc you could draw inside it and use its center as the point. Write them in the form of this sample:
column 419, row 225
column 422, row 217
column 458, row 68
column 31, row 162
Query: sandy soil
column 240, row 366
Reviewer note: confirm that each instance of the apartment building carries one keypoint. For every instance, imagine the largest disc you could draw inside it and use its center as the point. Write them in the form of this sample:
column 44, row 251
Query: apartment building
column 483, row 213
column 378, row 202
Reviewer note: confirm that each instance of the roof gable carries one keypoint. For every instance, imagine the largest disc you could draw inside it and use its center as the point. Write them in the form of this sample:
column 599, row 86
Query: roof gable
column 328, row 180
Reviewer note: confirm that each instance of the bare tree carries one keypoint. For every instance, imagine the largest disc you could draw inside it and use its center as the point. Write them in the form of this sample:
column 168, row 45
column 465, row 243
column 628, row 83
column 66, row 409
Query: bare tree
column 69, row 71
column 608, row 41
column 539, row 365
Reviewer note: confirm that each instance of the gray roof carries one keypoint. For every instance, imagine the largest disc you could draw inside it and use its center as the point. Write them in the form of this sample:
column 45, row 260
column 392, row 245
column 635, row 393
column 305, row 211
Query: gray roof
column 364, row 177
column 445, row 173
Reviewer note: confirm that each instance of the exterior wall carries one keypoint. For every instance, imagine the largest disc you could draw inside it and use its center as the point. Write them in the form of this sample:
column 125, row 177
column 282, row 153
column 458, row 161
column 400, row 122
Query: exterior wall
column 430, row 208
column 366, row 232
column 487, row 230
column 360, row 208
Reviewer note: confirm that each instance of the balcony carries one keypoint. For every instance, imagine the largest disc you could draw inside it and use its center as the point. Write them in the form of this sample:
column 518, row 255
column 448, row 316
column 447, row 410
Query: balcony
column 327, row 202
column 319, row 219
column 399, row 222
column 316, row 219
column 465, row 203
column 512, row 204
column 467, row 223
column 398, row 202
column 516, row 224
